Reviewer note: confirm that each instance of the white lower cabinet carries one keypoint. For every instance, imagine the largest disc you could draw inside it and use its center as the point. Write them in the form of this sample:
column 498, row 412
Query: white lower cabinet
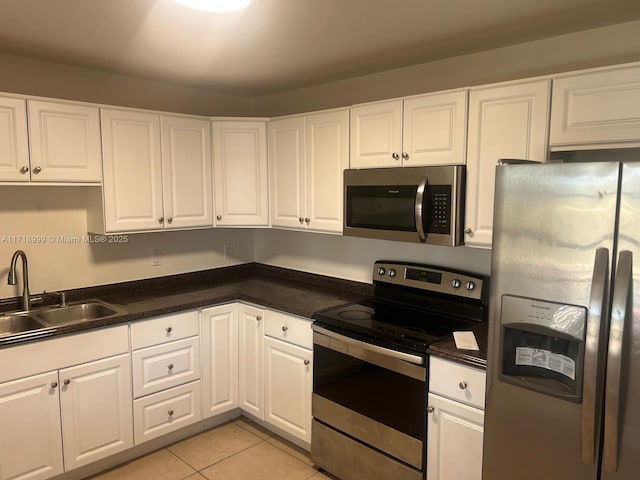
column 74, row 414
column 288, row 377
column 219, row 359
column 251, row 342
column 455, row 424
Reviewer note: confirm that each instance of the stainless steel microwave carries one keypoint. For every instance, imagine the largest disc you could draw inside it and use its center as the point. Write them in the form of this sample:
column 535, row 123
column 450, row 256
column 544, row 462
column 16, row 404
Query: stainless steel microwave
column 407, row 204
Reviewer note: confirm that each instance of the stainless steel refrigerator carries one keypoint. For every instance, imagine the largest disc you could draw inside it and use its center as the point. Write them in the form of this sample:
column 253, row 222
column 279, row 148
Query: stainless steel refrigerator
column 563, row 379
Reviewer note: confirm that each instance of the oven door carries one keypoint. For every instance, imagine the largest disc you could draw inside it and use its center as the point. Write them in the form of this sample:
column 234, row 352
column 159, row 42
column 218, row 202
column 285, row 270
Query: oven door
column 372, row 394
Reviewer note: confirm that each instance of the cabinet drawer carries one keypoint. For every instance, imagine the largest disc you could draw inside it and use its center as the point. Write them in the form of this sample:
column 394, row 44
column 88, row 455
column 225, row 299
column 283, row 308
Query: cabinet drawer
column 164, row 329
column 164, row 412
column 165, row 366
column 288, row 328
column 456, row 381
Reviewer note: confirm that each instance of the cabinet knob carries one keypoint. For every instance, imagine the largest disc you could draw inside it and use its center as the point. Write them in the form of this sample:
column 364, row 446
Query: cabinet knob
column 307, row 362
column 218, row 217
column 161, row 220
column 170, row 412
column 54, row 384
column 395, row 156
column 285, row 328
column 462, row 385
column 169, row 329
column 307, row 220
column 301, row 220
column 66, row 382
column 405, row 156
column 37, row 170
column 430, row 409
column 468, row 231
column 258, row 318
column 24, row 169
column 170, row 367
column 170, row 219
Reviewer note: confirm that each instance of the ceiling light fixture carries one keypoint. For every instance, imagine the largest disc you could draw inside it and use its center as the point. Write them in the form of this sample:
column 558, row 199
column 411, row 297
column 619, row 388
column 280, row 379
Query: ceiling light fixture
column 219, row 6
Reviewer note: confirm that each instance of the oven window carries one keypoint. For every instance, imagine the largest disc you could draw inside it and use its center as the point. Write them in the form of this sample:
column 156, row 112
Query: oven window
column 385, row 396
column 386, row 208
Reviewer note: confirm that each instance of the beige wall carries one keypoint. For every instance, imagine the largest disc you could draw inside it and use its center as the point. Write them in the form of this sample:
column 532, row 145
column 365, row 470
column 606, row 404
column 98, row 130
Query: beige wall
column 51, row 212
column 591, row 48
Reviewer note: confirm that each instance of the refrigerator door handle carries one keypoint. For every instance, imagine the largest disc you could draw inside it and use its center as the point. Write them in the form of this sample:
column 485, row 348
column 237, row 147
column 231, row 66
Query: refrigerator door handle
column 594, row 338
column 619, row 312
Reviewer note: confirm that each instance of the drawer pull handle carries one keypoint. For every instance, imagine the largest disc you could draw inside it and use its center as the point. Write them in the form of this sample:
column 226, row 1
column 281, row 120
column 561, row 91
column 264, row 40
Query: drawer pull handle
column 66, row 382
column 285, row 328
column 169, row 329
column 462, row 385
column 170, row 412
column 430, row 409
column 307, row 362
column 170, row 366
column 54, row 384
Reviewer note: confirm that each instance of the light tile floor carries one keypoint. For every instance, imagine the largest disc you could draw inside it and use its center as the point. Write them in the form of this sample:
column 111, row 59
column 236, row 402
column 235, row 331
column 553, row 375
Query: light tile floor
column 238, row 450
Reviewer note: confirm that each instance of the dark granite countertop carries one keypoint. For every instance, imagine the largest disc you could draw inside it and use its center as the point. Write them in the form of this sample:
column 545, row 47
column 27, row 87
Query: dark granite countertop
column 281, row 289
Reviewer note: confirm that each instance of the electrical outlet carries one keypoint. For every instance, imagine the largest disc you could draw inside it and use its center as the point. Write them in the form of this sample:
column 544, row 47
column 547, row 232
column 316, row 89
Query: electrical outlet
column 228, row 250
column 156, row 258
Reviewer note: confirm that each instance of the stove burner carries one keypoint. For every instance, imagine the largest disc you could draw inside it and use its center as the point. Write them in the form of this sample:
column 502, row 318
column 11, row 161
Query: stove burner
column 355, row 315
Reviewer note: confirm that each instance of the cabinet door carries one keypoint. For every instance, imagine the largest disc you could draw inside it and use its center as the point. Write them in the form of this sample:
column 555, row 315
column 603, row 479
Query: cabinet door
column 251, row 341
column 64, row 142
column 240, row 173
column 287, row 387
column 96, row 406
column 286, row 171
column 504, row 122
column 454, row 443
column 327, row 156
column 14, row 147
column 597, row 107
column 376, row 134
column 435, row 129
column 132, row 182
column 219, row 359
column 186, row 172
column 30, row 438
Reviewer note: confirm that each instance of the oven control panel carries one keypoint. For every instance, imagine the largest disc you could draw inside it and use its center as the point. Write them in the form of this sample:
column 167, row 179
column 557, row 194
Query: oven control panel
column 434, row 279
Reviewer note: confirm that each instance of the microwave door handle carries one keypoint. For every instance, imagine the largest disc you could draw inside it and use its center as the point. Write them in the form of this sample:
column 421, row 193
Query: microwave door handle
column 594, row 343
column 619, row 312
column 419, row 208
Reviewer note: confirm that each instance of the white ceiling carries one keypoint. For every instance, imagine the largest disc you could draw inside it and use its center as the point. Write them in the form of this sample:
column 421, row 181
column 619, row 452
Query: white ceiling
column 278, row 45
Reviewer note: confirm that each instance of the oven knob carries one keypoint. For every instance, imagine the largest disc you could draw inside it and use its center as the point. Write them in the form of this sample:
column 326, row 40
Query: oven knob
column 392, row 272
column 455, row 283
column 381, row 271
column 469, row 286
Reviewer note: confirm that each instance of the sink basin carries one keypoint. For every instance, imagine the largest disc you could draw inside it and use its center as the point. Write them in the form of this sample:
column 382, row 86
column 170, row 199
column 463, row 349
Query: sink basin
column 12, row 324
column 78, row 313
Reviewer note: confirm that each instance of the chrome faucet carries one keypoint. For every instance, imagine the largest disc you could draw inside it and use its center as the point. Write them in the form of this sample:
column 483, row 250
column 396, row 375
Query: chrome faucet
column 11, row 279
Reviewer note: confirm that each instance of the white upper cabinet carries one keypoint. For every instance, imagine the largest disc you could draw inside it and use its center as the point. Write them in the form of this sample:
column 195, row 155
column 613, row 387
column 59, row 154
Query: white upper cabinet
column 327, row 156
column 307, row 157
column 505, row 121
column 286, row 171
column 186, row 172
column 240, row 173
column 417, row 131
column 157, row 171
column 132, row 185
column 64, row 140
column 598, row 107
column 14, row 145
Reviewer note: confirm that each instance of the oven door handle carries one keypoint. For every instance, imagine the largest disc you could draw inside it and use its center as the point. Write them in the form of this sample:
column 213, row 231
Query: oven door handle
column 419, row 208
column 407, row 357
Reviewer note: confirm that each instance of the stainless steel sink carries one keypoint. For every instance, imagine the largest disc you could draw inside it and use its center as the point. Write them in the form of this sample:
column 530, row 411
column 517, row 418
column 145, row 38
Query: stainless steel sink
column 13, row 324
column 76, row 313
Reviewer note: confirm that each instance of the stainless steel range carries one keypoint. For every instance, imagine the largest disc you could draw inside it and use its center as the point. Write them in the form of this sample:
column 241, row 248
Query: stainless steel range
column 370, row 377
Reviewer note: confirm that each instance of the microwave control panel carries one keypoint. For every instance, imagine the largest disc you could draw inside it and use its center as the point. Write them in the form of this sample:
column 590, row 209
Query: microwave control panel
column 439, row 218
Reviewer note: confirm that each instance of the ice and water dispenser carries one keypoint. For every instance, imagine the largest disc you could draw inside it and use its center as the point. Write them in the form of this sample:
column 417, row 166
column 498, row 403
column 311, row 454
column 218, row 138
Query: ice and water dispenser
column 542, row 346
